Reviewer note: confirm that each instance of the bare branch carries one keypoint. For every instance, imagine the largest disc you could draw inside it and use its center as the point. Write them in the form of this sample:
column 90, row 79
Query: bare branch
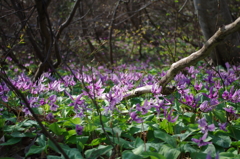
column 183, row 6
column 110, row 32
column 192, row 59
column 9, row 83
column 68, row 21
column 61, row 28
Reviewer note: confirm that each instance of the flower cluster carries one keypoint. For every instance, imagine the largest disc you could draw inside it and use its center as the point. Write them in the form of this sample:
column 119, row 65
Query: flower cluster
column 3, row 92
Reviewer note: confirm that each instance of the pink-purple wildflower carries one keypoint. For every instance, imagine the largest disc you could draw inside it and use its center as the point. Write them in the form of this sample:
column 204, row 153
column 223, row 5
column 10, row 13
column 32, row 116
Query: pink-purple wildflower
column 201, row 141
column 79, row 129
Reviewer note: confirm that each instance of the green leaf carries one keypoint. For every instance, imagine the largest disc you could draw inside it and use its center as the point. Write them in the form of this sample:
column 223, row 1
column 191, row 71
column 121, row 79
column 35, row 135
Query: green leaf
column 2, row 122
column 234, row 132
column 35, row 150
column 138, row 128
column 56, row 129
column 114, row 131
column 183, row 136
column 12, row 141
column 69, row 134
column 14, row 120
column 73, row 153
column 20, row 134
column 97, row 141
column 209, row 148
column 54, row 157
column 188, row 148
column 71, row 121
column 81, row 141
column 165, row 137
column 221, row 115
column 167, row 126
column 232, row 150
column 149, row 117
column 52, row 146
column 198, row 155
column 169, row 152
column 96, row 120
column 123, row 143
column 227, row 155
column 138, row 142
column 38, row 110
column 147, row 147
column 152, row 155
column 96, row 152
column 127, row 154
column 235, row 143
column 221, row 139
column 41, row 140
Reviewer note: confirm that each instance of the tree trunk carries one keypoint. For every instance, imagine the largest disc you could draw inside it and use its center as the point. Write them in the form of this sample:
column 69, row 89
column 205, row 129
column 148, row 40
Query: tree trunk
column 213, row 14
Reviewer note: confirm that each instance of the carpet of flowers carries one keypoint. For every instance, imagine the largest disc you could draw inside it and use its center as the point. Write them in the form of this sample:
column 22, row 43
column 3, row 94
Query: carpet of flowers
column 86, row 112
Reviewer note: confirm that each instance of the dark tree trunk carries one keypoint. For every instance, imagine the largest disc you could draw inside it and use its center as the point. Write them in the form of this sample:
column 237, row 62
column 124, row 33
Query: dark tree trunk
column 213, row 14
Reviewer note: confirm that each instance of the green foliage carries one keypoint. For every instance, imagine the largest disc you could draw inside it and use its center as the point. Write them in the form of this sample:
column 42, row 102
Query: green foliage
column 116, row 132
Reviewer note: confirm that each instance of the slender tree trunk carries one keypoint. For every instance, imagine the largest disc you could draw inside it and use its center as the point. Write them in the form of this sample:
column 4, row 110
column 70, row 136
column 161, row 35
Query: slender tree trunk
column 213, row 14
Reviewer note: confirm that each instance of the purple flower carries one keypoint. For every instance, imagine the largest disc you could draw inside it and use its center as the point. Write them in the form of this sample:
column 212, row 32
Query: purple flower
column 135, row 118
column 206, row 106
column 214, row 102
column 169, row 117
column 192, row 71
column 198, row 86
column 209, row 155
column 79, row 129
column 3, row 91
column 228, row 77
column 79, row 105
column 211, row 94
column 52, row 98
column 231, row 95
column 53, row 107
column 49, row 117
column 113, row 97
column 77, row 102
column 144, row 109
column 55, row 86
column 209, row 78
column 42, row 101
column 191, row 100
column 217, row 85
column 201, row 141
column 236, row 97
column 230, row 110
column 26, row 111
column 160, row 104
column 4, row 98
column 156, row 89
column 1, row 109
column 95, row 90
column 222, row 126
column 33, row 101
column 226, row 95
column 182, row 89
column 182, row 79
column 9, row 58
column 204, row 126
column 79, row 114
column 69, row 81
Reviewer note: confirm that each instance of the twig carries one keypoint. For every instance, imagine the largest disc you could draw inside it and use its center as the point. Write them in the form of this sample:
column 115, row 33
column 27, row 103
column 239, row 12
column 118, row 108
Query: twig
column 183, row 6
column 110, row 32
column 9, row 83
